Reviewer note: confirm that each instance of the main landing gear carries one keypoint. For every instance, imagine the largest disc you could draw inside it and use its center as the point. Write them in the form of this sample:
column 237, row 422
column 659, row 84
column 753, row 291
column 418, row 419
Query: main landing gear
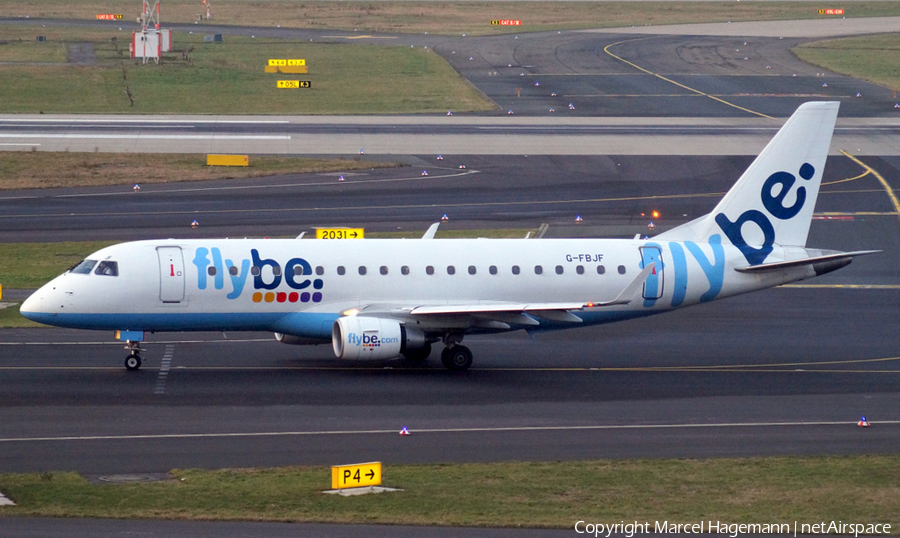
column 455, row 356
column 133, row 360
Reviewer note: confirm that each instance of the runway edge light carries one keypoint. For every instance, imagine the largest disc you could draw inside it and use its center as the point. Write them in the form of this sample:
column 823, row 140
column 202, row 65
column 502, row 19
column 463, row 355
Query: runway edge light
column 863, row 423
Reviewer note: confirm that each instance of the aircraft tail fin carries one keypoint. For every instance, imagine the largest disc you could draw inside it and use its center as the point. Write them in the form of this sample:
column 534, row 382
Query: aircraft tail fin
column 773, row 201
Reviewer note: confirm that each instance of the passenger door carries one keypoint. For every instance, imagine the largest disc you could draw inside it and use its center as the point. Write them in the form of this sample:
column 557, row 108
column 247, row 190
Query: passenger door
column 171, row 274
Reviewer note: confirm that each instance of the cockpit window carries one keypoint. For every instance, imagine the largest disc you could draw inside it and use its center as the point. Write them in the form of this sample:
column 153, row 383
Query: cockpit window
column 107, row 268
column 83, row 268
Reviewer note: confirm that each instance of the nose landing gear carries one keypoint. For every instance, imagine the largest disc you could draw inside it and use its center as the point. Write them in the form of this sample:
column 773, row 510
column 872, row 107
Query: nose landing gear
column 133, row 360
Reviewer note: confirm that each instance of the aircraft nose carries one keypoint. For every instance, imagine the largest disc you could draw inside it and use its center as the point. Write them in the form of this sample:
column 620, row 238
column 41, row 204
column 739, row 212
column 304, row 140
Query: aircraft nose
column 31, row 308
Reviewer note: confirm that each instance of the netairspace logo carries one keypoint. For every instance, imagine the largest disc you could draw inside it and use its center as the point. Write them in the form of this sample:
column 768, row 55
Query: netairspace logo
column 731, row 529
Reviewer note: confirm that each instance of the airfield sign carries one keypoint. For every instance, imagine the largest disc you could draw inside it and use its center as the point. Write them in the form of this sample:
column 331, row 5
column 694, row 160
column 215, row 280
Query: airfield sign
column 340, row 233
column 356, row 475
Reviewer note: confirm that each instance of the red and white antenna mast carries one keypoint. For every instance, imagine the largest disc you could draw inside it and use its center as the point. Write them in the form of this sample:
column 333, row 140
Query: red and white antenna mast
column 149, row 15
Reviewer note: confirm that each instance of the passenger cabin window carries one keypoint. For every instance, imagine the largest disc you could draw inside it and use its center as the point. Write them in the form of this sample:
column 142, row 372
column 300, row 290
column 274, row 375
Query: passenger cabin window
column 362, row 269
column 233, row 270
column 515, row 269
column 621, row 269
column 254, row 271
column 341, row 270
column 559, row 269
column 493, row 269
column 320, row 270
column 276, row 270
column 404, row 270
column 383, row 270
column 538, row 269
column 211, row 271
column 83, row 268
column 107, row 268
column 601, row 269
column 451, row 270
column 429, row 270
column 298, row 270
column 472, row 269
column 579, row 269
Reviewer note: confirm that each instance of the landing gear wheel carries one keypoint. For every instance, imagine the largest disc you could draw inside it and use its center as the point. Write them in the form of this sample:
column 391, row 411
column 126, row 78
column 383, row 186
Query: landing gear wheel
column 133, row 362
column 418, row 354
column 456, row 358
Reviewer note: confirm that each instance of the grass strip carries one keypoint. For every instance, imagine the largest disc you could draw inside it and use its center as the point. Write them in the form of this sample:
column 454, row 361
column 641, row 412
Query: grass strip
column 447, row 18
column 862, row 489
column 26, row 170
column 11, row 319
column 227, row 77
column 31, row 265
column 875, row 58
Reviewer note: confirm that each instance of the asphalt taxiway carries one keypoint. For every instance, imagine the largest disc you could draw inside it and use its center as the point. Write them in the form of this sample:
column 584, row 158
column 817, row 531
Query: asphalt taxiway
column 786, row 371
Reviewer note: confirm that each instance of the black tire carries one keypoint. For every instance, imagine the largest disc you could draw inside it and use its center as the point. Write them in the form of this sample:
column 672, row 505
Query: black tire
column 418, row 354
column 456, row 358
column 133, row 362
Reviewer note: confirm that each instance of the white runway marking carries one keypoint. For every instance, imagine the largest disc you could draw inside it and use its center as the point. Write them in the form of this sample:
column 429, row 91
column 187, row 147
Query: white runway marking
column 137, row 120
column 447, row 430
column 163, row 375
column 114, row 343
column 4, row 501
column 170, row 136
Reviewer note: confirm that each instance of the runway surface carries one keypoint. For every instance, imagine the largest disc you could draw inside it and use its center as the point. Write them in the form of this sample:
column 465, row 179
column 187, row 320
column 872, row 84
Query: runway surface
column 609, row 191
column 780, row 372
column 785, row 371
column 390, row 136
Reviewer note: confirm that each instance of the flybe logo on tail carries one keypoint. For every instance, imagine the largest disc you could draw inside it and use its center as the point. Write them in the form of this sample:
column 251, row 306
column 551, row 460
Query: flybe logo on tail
column 293, row 274
column 773, row 194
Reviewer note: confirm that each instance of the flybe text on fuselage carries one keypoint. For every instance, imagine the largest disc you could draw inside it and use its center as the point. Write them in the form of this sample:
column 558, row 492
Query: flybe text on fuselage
column 211, row 266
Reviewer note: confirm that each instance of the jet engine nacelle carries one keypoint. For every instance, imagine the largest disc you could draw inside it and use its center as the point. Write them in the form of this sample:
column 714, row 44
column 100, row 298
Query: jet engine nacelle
column 360, row 337
column 298, row 340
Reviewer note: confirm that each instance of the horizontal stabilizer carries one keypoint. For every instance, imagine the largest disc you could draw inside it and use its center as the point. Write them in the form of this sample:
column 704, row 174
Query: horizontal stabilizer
column 821, row 264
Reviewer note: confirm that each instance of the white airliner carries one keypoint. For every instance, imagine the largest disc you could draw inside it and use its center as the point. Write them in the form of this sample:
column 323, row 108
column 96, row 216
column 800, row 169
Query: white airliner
column 381, row 298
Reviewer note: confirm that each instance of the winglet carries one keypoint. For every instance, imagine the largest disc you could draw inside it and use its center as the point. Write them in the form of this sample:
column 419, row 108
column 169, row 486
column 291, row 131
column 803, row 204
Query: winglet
column 429, row 234
column 632, row 290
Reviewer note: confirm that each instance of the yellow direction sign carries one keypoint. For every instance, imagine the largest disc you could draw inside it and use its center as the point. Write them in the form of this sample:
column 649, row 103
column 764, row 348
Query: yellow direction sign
column 279, row 62
column 356, row 475
column 288, row 83
column 340, row 233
